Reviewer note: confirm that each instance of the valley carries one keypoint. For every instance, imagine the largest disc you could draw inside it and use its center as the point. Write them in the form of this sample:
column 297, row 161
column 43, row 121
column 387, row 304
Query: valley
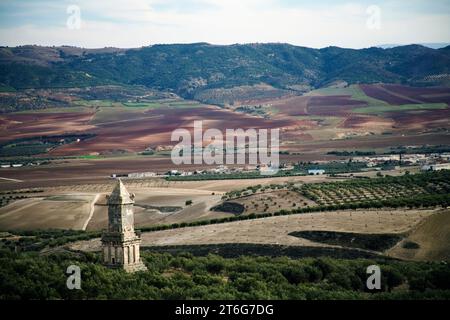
column 363, row 177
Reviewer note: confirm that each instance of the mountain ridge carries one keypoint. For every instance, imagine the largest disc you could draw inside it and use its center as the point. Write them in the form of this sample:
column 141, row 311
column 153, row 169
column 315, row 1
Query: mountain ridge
column 189, row 69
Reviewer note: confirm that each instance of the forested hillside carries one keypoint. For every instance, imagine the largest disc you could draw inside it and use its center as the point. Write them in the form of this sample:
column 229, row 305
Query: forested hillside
column 190, row 69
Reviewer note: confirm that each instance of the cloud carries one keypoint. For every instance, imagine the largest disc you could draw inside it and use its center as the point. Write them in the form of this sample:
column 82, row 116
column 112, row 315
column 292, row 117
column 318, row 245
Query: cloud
column 135, row 23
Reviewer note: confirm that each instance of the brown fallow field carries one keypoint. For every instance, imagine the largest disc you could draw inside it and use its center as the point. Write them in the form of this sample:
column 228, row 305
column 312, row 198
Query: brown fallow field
column 399, row 95
column 155, row 128
column 158, row 201
column 26, row 125
column 339, row 106
column 130, row 133
column 421, row 120
column 84, row 209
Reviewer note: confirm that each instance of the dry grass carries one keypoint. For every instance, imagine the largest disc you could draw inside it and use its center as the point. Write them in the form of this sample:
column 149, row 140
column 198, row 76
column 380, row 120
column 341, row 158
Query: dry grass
column 202, row 201
column 46, row 213
column 433, row 238
column 273, row 201
column 275, row 230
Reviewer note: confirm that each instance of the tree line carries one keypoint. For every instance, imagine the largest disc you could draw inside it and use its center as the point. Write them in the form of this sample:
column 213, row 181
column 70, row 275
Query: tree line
column 184, row 276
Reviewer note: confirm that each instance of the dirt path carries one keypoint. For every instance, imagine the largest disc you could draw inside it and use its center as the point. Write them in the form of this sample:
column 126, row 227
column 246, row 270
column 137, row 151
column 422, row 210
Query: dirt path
column 10, row 179
column 91, row 212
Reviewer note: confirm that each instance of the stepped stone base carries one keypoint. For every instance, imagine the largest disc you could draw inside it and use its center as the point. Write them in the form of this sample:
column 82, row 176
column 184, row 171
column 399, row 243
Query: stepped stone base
column 133, row 267
column 120, row 242
column 139, row 266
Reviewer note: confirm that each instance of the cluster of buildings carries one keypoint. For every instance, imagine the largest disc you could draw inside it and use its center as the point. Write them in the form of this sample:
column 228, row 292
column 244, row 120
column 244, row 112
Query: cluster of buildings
column 426, row 162
column 436, row 167
column 19, row 165
column 13, row 165
column 221, row 169
column 218, row 170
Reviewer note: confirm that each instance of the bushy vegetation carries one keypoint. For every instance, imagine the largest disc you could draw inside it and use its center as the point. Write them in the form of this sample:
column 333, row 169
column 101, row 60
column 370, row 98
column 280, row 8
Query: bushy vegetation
column 356, row 153
column 76, row 99
column 422, row 149
column 183, row 276
column 426, row 149
column 377, row 242
column 35, row 240
column 232, row 207
column 410, row 245
column 7, row 197
column 235, row 250
column 24, row 147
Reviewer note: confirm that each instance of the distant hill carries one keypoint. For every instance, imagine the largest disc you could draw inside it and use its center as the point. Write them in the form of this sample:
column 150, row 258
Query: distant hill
column 190, row 69
column 432, row 45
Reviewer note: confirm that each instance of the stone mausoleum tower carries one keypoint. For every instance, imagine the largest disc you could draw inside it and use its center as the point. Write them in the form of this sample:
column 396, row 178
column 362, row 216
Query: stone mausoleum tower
column 120, row 243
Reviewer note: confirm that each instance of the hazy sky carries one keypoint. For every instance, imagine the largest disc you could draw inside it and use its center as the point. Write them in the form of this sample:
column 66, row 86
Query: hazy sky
column 135, row 23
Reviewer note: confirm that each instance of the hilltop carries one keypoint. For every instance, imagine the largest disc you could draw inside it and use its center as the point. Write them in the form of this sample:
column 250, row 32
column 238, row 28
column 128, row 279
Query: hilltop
column 191, row 70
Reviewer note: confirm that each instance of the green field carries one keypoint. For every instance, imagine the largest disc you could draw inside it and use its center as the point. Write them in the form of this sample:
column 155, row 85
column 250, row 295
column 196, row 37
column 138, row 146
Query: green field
column 25, row 147
column 115, row 111
column 406, row 107
column 89, row 157
column 97, row 103
column 185, row 104
column 353, row 90
column 107, row 114
column 4, row 88
column 147, row 105
column 74, row 109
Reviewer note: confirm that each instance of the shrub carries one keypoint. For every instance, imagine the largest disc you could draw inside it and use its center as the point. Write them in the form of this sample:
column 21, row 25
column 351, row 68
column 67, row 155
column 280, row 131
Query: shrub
column 410, row 245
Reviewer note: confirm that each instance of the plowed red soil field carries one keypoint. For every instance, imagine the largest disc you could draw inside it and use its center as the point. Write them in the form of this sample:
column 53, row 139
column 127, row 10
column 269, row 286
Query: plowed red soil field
column 399, row 95
column 421, row 119
column 333, row 105
column 130, row 133
column 14, row 126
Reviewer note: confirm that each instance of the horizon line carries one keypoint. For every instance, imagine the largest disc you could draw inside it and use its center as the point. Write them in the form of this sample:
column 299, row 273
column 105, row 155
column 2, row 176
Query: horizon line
column 428, row 45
